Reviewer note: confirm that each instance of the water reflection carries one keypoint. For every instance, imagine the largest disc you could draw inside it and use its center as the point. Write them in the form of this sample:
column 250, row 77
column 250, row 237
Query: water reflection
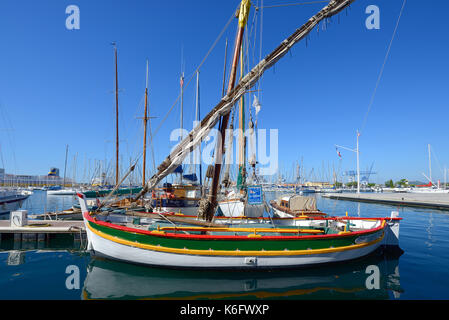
column 53, row 242
column 108, row 279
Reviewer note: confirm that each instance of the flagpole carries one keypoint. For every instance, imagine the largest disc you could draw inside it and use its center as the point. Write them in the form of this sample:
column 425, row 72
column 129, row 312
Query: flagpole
column 356, row 150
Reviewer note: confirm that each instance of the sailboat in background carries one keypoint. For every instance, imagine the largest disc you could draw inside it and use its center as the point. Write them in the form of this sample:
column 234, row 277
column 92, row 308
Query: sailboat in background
column 182, row 197
column 95, row 193
column 430, row 188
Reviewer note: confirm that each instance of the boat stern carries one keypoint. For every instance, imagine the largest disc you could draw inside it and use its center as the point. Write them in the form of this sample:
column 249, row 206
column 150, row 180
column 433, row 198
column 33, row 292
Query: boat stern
column 84, row 210
column 391, row 238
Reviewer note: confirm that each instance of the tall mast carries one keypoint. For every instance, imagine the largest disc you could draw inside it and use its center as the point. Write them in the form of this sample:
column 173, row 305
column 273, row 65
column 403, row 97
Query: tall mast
column 181, row 82
column 145, row 120
column 209, row 210
column 445, row 172
column 242, row 149
column 116, row 121
column 197, row 118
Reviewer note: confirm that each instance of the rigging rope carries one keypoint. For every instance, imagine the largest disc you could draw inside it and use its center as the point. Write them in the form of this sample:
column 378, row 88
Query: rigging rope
column 383, row 67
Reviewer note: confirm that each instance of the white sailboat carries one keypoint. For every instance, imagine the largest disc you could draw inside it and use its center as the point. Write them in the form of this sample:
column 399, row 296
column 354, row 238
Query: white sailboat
column 430, row 187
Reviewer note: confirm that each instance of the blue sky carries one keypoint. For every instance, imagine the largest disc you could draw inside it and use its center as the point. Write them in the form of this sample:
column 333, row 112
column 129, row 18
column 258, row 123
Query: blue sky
column 56, row 85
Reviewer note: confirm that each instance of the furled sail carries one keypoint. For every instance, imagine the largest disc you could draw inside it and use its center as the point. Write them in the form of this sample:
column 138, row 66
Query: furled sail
column 195, row 137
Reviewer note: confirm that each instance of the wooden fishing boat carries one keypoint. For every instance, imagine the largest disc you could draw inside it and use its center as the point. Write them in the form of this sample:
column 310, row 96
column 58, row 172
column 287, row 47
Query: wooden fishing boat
column 315, row 241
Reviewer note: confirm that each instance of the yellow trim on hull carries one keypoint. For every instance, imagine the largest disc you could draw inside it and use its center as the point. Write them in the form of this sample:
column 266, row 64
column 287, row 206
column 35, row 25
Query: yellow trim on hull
column 211, row 252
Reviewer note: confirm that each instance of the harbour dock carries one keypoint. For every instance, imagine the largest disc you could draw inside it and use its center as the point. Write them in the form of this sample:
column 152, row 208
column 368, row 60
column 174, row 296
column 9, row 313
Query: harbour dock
column 423, row 200
column 40, row 230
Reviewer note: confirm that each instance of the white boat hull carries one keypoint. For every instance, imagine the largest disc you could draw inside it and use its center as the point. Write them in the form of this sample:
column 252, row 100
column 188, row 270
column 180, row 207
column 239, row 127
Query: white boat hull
column 237, row 208
column 189, row 211
column 281, row 214
column 117, row 251
column 61, row 192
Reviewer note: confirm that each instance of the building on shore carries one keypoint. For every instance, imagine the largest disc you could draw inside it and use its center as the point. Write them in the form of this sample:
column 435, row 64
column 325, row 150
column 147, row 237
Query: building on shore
column 51, row 179
column 318, row 184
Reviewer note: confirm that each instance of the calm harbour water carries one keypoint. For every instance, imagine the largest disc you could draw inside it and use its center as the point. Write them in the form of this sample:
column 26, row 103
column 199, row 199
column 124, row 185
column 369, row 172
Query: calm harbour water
column 421, row 272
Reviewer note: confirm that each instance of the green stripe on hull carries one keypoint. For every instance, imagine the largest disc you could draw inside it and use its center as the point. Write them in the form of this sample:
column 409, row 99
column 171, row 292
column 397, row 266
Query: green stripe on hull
column 252, row 244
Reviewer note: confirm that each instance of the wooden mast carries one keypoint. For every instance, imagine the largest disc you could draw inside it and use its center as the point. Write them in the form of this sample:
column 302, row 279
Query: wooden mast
column 145, row 120
column 181, row 82
column 209, row 210
column 242, row 145
column 197, row 119
column 116, row 121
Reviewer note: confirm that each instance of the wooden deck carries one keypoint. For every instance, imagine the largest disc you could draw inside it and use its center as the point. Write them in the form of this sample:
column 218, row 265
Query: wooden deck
column 44, row 226
column 424, row 200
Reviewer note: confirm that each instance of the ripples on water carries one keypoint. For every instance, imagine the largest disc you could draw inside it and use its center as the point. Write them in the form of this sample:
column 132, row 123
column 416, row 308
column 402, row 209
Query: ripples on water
column 420, row 273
